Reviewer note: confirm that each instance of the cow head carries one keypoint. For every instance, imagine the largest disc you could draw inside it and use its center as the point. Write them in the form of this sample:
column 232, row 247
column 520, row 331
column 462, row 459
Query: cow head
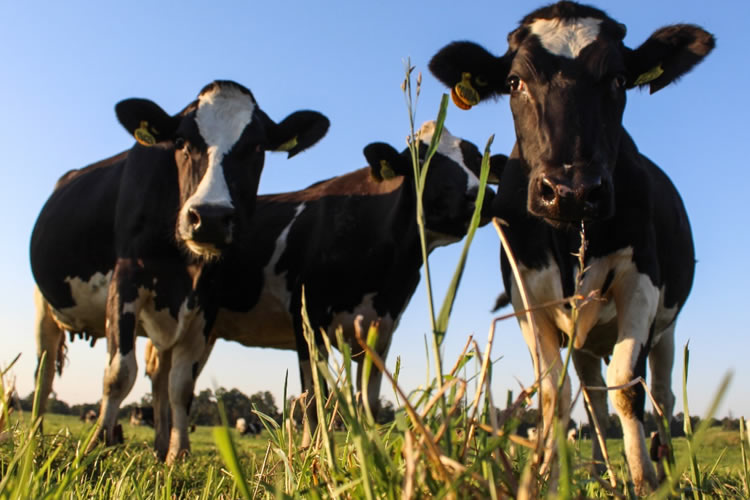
column 218, row 143
column 566, row 71
column 452, row 182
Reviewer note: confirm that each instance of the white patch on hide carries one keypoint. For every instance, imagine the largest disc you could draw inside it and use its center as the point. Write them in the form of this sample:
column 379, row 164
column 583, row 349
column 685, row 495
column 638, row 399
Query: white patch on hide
column 90, row 299
column 566, row 37
column 450, row 147
column 222, row 116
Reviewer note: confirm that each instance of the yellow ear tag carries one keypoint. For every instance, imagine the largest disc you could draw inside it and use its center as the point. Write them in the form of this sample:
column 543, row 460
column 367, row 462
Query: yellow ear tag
column 463, row 94
column 143, row 136
column 288, row 145
column 386, row 172
column 649, row 75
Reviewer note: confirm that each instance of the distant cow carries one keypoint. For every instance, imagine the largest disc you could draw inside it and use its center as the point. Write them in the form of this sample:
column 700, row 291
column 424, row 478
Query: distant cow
column 248, row 426
column 352, row 242
column 88, row 416
column 142, row 415
column 126, row 246
column 567, row 70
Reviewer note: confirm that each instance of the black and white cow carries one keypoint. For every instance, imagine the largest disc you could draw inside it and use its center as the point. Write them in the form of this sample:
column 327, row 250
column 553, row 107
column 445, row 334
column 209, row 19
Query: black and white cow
column 567, row 71
column 352, row 242
column 126, row 246
column 142, row 415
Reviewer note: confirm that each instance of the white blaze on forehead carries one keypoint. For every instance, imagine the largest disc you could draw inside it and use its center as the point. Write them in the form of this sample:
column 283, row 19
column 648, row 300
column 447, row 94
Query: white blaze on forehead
column 222, row 115
column 449, row 146
column 566, row 37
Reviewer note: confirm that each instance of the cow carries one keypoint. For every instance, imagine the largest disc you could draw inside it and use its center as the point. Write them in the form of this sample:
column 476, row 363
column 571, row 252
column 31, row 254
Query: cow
column 88, row 416
column 142, row 415
column 352, row 242
column 574, row 166
column 248, row 426
column 126, row 246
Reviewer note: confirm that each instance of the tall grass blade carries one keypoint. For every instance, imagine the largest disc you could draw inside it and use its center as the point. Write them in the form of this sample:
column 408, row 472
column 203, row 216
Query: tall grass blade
column 745, row 476
column 228, row 452
column 450, row 295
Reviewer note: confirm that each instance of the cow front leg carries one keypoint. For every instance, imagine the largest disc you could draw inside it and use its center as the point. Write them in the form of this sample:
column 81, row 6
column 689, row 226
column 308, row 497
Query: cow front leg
column 661, row 360
column 123, row 306
column 186, row 364
column 158, row 365
column 636, row 300
column 589, row 371
column 548, row 364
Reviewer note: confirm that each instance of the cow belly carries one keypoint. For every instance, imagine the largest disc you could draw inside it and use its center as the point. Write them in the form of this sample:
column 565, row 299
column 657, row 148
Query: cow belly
column 267, row 324
column 89, row 312
column 366, row 309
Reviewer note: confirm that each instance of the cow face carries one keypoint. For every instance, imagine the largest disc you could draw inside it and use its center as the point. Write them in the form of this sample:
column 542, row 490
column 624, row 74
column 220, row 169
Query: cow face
column 218, row 144
column 452, row 182
column 566, row 71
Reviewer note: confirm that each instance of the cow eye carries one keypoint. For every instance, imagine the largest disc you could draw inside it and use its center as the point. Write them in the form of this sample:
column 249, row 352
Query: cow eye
column 619, row 82
column 515, row 83
column 179, row 143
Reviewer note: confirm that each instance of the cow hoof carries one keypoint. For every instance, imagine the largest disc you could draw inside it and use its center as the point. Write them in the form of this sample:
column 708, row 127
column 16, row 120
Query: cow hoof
column 174, row 457
column 116, row 437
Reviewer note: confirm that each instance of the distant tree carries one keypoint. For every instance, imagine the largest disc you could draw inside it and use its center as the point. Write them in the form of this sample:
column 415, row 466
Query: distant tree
column 266, row 404
column 204, row 411
column 27, row 403
column 730, row 424
column 614, row 429
column 386, row 412
column 54, row 405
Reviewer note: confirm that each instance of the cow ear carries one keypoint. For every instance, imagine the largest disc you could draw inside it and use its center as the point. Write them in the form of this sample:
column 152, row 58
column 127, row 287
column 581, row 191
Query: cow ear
column 668, row 54
column 297, row 132
column 471, row 72
column 385, row 162
column 145, row 120
column 497, row 164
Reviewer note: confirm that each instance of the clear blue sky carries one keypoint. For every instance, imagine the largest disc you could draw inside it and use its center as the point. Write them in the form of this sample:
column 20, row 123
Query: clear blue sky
column 66, row 64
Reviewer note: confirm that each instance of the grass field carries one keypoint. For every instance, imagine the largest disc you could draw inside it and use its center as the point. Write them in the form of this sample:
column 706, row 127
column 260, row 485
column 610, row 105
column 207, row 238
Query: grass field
column 132, row 471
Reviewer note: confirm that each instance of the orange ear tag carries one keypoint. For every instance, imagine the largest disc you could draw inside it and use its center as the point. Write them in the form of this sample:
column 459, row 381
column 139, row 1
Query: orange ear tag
column 463, row 94
column 143, row 136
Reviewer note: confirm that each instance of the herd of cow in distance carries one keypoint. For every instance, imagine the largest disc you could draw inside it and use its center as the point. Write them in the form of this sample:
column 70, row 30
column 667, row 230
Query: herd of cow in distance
column 169, row 239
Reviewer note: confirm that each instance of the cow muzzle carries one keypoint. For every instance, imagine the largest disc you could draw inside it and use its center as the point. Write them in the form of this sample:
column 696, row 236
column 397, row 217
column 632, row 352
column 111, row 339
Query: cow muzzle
column 207, row 229
column 571, row 200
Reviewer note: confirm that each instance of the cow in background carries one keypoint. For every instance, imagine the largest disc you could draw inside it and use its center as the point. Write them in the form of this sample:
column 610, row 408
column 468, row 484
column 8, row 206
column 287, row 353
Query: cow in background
column 142, row 415
column 574, row 166
column 127, row 246
column 248, row 426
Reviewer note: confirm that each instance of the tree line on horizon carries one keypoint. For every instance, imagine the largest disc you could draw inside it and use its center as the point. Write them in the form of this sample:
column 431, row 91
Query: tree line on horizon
column 205, row 411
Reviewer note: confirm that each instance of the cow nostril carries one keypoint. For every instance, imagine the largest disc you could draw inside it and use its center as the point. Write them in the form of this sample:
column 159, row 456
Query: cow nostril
column 594, row 194
column 194, row 218
column 547, row 190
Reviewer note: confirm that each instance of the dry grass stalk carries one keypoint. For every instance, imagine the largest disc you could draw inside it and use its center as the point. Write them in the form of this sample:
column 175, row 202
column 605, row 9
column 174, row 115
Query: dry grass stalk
column 433, row 452
column 599, row 437
column 461, row 356
column 453, row 409
column 480, row 386
column 410, row 460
